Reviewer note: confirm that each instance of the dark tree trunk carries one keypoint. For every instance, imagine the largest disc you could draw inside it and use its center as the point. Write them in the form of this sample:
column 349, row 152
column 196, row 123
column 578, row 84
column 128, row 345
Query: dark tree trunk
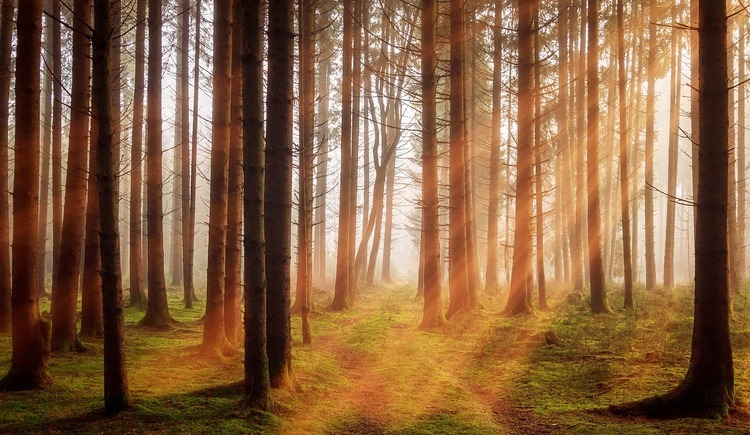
column 708, row 387
column 157, row 312
column 30, row 348
column 278, row 189
column 46, row 149
column 57, row 195
column 433, row 311
column 518, row 302
column 92, row 323
column 66, row 277
column 187, row 275
column 624, row 164
column 257, row 384
column 214, row 336
column 116, row 394
column 137, row 293
column 6, row 32
column 233, row 280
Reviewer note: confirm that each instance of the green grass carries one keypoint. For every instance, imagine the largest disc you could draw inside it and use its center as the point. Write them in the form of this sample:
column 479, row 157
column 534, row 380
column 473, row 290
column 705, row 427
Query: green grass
column 370, row 370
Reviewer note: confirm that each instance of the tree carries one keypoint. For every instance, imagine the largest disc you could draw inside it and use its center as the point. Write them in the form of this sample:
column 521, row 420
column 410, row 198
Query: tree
column 518, row 302
column 538, row 170
column 233, row 280
column 214, row 336
column 458, row 271
column 180, row 143
column 343, row 280
column 708, row 387
column 116, row 394
column 157, row 311
column 596, row 269
column 624, row 164
column 66, row 276
column 30, row 348
column 6, row 32
column 46, row 149
column 57, row 195
column 433, row 312
column 257, row 383
column 649, row 168
column 278, row 188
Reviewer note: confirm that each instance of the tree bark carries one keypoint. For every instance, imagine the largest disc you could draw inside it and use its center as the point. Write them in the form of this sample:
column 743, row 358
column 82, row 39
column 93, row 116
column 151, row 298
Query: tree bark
column 116, row 394
column 624, row 163
column 187, row 235
column 30, row 348
column 649, row 167
column 46, row 150
column 92, row 322
column 6, row 33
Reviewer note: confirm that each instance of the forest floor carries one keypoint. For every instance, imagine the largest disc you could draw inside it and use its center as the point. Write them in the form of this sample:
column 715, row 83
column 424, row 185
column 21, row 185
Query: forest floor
column 371, row 371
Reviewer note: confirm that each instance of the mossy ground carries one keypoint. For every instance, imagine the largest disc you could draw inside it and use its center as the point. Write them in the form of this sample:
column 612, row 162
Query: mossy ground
column 370, row 370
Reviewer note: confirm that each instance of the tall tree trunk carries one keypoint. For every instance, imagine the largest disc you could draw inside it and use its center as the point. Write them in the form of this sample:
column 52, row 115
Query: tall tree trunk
column 214, row 335
column 233, row 280
column 187, row 235
column 278, row 189
column 649, row 168
column 116, row 394
column 741, row 151
column 518, row 302
column 343, row 280
column 538, row 171
column 323, row 87
column 354, row 157
column 92, row 322
column 57, row 195
column 157, row 312
column 30, row 349
column 257, row 384
column 385, row 271
column 137, row 293
column 46, row 145
column 674, row 132
column 579, row 258
column 458, row 281
column 563, row 133
column 66, row 276
column 596, row 270
column 491, row 284
column 732, row 211
column 432, row 312
column 6, row 33
column 180, row 105
column 624, row 164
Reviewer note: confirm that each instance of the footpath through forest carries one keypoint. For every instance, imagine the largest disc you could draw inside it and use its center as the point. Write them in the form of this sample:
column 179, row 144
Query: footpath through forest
column 371, row 371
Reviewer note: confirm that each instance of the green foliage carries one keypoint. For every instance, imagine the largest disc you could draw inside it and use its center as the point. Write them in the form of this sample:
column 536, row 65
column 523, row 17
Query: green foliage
column 370, row 370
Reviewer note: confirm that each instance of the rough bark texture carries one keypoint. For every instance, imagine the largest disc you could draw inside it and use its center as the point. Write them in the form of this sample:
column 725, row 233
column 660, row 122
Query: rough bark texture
column 278, row 189
column 432, row 312
column 30, row 347
column 214, row 336
column 708, row 387
column 518, row 302
column 67, row 274
column 458, row 272
column 6, row 31
column 92, row 323
column 116, row 394
column 137, row 292
column 157, row 311
column 257, row 384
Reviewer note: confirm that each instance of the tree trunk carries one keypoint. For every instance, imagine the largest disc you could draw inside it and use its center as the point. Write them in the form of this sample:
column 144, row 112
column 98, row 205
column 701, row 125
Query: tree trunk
column 257, row 384
column 432, row 313
column 214, row 336
column 233, row 280
column 6, row 32
column 278, row 189
column 66, row 276
column 354, row 157
column 538, row 171
column 741, row 151
column 732, row 211
column 491, row 284
column 324, row 68
column 46, row 145
column 596, row 270
column 180, row 141
column 116, row 394
column 157, row 312
column 92, row 322
column 649, row 168
column 57, row 195
column 518, row 302
column 343, row 280
column 187, row 235
column 137, row 293
column 30, row 349
column 624, row 164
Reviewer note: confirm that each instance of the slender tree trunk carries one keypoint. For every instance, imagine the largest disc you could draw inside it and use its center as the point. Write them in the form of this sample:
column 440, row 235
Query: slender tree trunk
column 354, row 157
column 214, row 336
column 6, row 32
column 137, row 293
column 46, row 145
column 581, row 265
column 732, row 211
column 323, row 87
column 278, row 189
column 157, row 312
column 343, row 281
column 57, row 195
column 649, row 168
column 624, row 164
column 92, row 322
column 30, row 349
column 116, row 394
column 741, row 151
column 66, row 276
column 233, row 280
column 257, row 384
column 518, row 302
column 187, row 235
column 563, row 133
column 538, row 170
column 181, row 103
column 385, row 271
